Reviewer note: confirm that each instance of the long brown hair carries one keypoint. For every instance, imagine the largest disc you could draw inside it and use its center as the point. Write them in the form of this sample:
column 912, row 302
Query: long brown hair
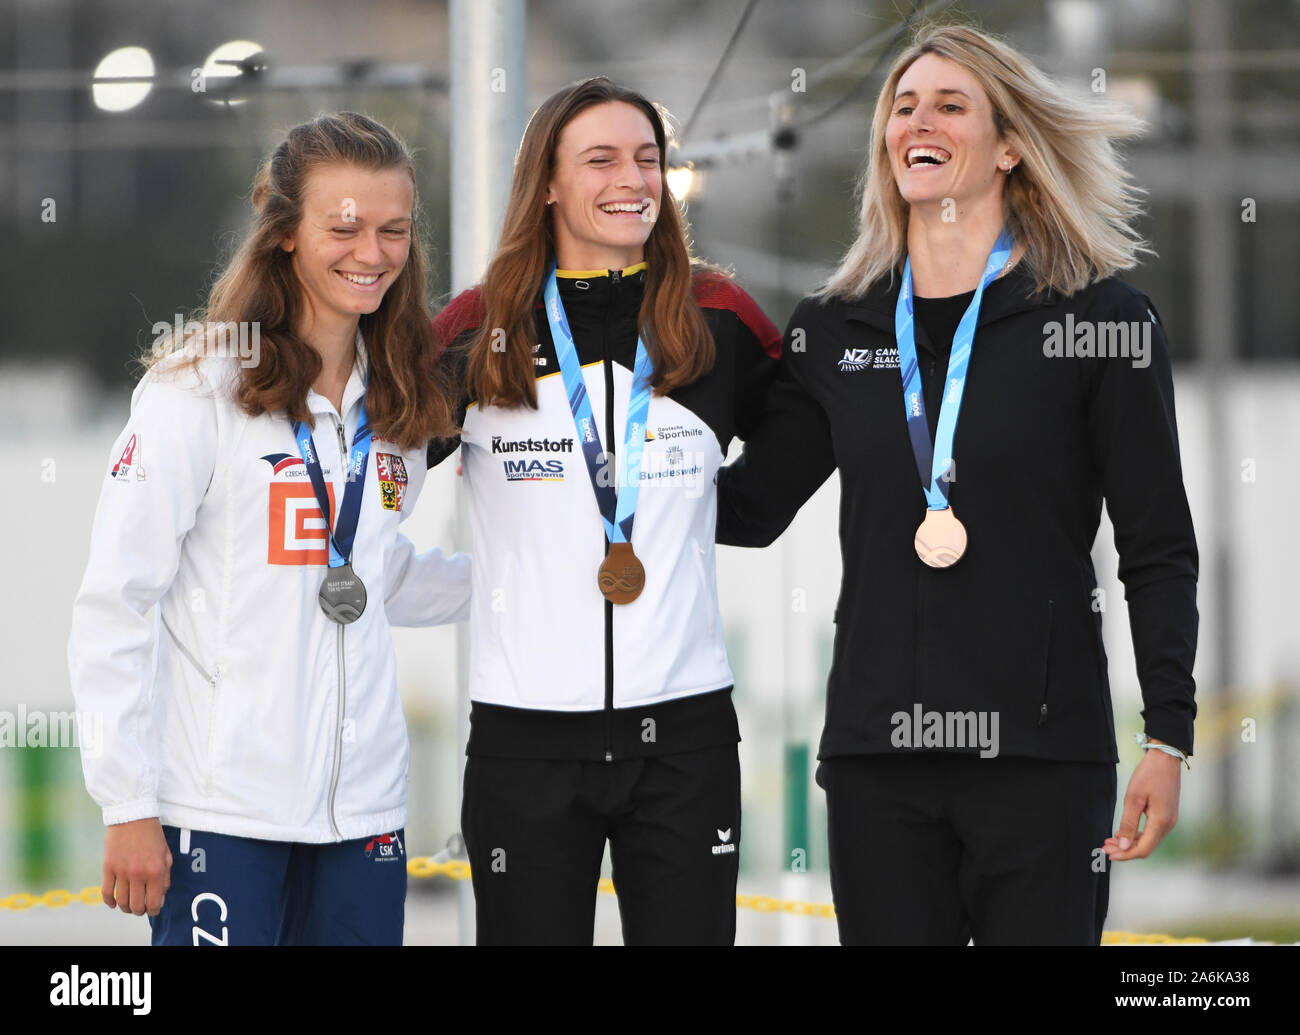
column 407, row 398
column 677, row 338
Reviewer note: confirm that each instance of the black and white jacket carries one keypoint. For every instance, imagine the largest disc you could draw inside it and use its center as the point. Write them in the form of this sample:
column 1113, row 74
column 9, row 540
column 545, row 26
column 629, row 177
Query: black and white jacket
column 556, row 671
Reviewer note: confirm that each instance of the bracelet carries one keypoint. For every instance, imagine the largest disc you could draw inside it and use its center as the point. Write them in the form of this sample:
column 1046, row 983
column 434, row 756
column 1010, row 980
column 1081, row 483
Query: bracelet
column 1144, row 742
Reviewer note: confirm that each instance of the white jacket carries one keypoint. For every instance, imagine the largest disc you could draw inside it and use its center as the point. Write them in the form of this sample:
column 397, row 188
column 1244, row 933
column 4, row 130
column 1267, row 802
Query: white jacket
column 236, row 706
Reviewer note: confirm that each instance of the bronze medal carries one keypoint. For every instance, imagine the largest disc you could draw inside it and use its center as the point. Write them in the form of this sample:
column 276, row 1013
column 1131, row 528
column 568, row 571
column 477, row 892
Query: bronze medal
column 621, row 576
column 941, row 539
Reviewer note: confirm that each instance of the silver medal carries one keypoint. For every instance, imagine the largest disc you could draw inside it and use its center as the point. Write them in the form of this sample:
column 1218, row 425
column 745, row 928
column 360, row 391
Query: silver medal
column 342, row 595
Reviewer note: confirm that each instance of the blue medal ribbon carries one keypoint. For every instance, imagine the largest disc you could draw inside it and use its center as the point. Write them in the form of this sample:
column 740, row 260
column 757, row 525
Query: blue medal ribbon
column 617, row 511
column 934, row 460
column 343, row 531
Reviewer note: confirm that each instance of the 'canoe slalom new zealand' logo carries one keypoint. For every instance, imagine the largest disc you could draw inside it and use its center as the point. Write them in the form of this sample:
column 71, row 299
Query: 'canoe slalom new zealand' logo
column 866, row 359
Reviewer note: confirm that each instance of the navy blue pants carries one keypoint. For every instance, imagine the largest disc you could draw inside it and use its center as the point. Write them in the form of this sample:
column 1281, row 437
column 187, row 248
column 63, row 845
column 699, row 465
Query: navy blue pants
column 241, row 891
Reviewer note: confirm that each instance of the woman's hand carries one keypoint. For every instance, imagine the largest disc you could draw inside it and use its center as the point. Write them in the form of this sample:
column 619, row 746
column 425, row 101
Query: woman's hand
column 138, row 864
column 1154, row 790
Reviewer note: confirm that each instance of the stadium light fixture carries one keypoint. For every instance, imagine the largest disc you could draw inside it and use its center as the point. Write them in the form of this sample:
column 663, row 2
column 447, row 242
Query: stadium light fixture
column 132, row 64
column 681, row 181
column 224, row 67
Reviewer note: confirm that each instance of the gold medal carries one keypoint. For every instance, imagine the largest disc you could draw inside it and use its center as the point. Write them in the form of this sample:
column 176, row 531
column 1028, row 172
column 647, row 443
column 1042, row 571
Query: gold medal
column 941, row 539
column 621, row 575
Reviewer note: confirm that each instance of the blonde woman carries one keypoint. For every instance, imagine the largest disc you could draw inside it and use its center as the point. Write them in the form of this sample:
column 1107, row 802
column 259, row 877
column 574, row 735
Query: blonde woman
column 982, row 381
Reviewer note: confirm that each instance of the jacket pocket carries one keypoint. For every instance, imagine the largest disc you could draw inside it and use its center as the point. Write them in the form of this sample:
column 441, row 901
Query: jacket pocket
column 1047, row 665
column 211, row 678
column 709, row 596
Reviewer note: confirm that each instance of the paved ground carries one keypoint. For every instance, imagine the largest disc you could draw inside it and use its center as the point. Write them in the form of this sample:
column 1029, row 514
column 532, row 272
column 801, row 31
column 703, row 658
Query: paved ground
column 1151, row 900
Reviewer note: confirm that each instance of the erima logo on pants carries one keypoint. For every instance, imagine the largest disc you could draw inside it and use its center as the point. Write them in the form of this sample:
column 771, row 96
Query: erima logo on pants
column 726, row 847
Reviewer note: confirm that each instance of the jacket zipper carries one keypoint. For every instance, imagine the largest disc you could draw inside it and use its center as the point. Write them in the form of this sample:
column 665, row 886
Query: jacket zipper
column 1042, row 708
column 343, row 675
column 211, row 680
column 918, row 631
column 614, row 277
column 918, row 611
column 338, row 736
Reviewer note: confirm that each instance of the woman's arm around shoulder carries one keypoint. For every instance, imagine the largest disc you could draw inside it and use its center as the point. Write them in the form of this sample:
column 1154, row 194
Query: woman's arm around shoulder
column 452, row 330
column 788, row 447
column 427, row 588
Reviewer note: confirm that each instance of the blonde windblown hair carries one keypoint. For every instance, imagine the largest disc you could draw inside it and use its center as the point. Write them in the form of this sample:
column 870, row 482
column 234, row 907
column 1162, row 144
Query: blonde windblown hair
column 1069, row 202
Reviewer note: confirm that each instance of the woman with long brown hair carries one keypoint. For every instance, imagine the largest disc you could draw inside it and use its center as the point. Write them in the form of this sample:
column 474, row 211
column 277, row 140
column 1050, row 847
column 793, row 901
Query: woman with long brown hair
column 252, row 767
column 606, row 373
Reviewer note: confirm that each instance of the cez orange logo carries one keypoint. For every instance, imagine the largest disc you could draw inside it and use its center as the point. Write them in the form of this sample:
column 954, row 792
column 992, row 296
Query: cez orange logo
column 299, row 533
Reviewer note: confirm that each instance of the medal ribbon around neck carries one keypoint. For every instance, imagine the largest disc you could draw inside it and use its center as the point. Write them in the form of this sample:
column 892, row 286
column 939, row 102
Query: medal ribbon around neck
column 344, row 530
column 934, row 460
column 617, row 511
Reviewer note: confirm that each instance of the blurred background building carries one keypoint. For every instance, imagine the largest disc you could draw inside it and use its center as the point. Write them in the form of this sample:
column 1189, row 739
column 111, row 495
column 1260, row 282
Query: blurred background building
column 120, row 201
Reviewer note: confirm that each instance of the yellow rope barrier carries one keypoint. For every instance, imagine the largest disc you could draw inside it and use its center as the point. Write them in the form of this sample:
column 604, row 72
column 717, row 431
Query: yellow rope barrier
column 53, row 899
column 458, row 869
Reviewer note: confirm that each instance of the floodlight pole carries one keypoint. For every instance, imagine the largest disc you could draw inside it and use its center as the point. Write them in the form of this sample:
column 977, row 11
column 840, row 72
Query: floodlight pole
column 488, row 107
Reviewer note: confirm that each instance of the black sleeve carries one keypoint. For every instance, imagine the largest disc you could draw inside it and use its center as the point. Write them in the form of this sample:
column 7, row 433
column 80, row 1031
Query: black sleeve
column 756, row 352
column 1135, row 446
column 754, row 374
column 788, row 454
column 441, row 448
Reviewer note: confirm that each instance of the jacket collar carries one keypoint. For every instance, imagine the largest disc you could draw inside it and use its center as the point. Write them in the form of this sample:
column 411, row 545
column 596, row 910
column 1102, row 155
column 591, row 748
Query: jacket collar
column 352, row 391
column 1009, row 294
column 640, row 267
column 588, row 291
column 581, row 287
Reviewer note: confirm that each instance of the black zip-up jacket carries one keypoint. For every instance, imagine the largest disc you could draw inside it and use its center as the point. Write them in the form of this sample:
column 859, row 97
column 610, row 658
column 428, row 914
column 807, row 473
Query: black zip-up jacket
column 1015, row 626
column 556, row 671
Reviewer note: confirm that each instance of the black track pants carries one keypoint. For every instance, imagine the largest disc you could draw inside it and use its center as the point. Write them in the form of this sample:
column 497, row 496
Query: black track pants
column 936, row 849
column 536, row 832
